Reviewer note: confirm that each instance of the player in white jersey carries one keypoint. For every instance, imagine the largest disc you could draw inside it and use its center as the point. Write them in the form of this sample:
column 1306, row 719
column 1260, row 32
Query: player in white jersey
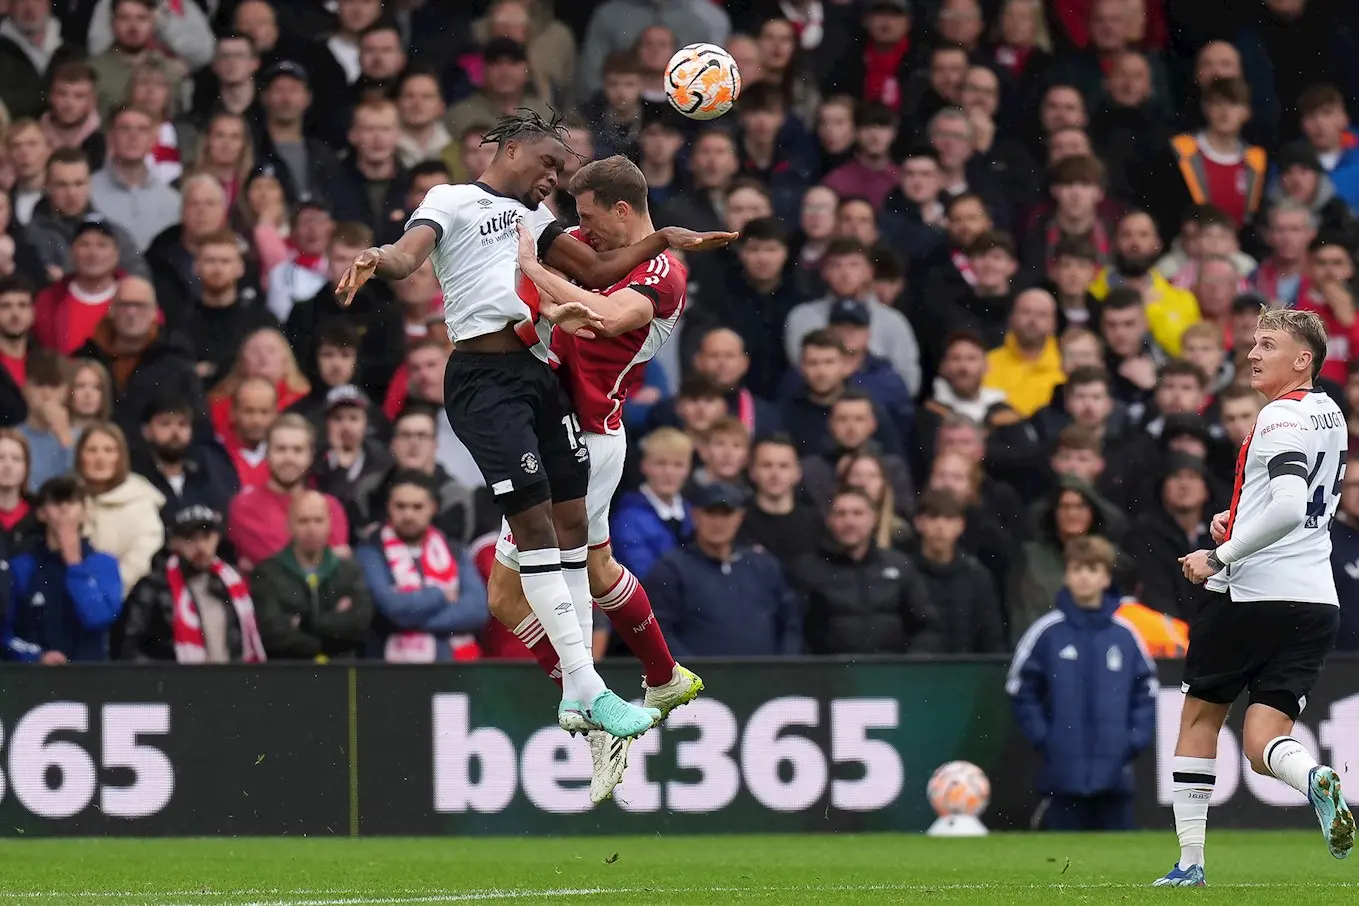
column 640, row 313
column 500, row 395
column 1274, row 614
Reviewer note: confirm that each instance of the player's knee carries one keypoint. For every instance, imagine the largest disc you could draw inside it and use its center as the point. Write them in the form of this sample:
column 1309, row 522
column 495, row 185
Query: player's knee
column 605, row 572
column 532, row 527
column 571, row 523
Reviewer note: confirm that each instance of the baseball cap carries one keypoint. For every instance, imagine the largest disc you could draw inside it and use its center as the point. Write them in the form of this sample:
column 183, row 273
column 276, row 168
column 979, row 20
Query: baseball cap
column 314, row 202
column 196, row 518
column 718, row 495
column 498, row 49
column 97, row 222
column 1298, row 154
column 284, row 68
column 345, row 395
column 889, row 6
column 851, row 312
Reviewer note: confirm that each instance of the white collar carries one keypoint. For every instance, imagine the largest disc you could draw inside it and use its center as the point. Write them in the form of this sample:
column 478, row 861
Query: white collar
column 674, row 510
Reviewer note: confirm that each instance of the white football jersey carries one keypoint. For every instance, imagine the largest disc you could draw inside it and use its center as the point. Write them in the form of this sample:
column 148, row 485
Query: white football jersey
column 1302, row 433
column 476, row 256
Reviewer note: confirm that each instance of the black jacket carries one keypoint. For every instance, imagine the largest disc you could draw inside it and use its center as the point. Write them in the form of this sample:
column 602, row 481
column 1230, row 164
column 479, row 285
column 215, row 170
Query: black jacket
column 877, row 605
column 323, row 171
column 382, row 334
column 172, row 273
column 1156, row 542
column 336, row 481
column 148, row 618
column 349, row 197
column 166, row 364
column 464, row 513
column 209, row 478
column 22, row 87
column 13, row 407
column 787, row 536
column 964, row 596
column 759, row 319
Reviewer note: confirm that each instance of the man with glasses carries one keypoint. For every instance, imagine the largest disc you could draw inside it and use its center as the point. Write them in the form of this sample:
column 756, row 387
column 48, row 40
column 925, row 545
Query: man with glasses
column 125, row 188
column 144, row 363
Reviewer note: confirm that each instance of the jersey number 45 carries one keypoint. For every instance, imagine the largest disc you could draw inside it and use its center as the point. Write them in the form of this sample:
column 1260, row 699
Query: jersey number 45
column 1316, row 507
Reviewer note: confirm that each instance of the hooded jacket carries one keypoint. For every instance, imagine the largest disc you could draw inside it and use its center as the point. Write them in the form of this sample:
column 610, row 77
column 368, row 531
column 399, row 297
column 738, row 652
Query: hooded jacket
column 877, row 605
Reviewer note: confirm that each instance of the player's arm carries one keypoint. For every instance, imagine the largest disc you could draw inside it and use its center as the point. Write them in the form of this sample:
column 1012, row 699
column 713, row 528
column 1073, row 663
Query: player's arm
column 597, row 270
column 1278, row 444
column 400, row 259
column 620, row 311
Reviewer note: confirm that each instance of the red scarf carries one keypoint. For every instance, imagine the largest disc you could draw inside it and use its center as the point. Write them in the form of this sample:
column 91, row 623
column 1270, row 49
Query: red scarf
column 1098, row 235
column 190, row 645
column 745, row 409
column 437, row 569
column 1266, row 281
column 10, row 518
column 1013, row 59
column 880, row 72
column 964, row 266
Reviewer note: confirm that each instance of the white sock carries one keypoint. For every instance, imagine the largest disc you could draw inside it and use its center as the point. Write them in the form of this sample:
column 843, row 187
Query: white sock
column 1192, row 787
column 578, row 583
column 1290, row 762
column 540, row 573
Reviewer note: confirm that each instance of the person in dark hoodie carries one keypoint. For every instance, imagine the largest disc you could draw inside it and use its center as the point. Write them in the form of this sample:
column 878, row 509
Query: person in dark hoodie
column 187, row 473
column 960, row 588
column 337, row 362
column 65, row 205
column 853, row 424
column 823, row 377
column 861, row 598
column 226, row 310
column 1163, row 534
column 65, row 594
column 1083, row 691
column 913, row 213
column 353, row 463
column 141, row 359
column 1036, row 575
column 371, row 181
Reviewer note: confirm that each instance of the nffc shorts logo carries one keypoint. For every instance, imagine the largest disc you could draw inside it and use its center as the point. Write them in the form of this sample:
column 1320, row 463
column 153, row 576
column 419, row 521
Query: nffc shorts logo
column 529, row 463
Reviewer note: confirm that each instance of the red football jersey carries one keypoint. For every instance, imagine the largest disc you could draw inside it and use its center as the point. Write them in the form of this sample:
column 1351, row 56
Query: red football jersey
column 600, row 373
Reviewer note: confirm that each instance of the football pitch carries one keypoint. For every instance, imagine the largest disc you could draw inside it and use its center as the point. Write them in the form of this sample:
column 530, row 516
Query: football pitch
column 1243, row 868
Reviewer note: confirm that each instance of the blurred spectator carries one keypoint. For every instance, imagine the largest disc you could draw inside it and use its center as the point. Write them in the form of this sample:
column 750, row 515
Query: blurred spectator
column 122, row 517
column 180, row 30
column 867, row 472
column 1216, row 285
column 617, row 112
column 302, row 274
column 986, row 302
column 1137, row 247
column 1088, row 723
column 31, row 47
column 853, row 424
column 125, row 186
column 186, row 473
column 958, row 586
column 721, row 357
column 950, row 275
column 27, row 149
column 193, row 607
column 1174, row 528
column 714, row 598
column 1112, row 31
column 913, row 212
column 1131, row 129
column 1239, row 407
column 353, row 463
column 821, row 378
column 850, row 323
column 335, row 364
column 550, row 45
column 91, row 398
column 305, row 165
column 1069, row 273
column 19, row 526
column 141, row 359
column 1028, row 366
column 254, row 409
column 1001, row 157
column 774, row 147
column 784, row 65
column 382, row 60
column 16, row 327
column 1302, row 178
column 47, row 429
column 65, row 593
column 228, row 86
column 659, row 140
column 1281, row 277
column 1077, row 189
column 133, row 44
column 862, row 598
column 1022, row 45
column 712, row 165
column 225, row 311
column 64, row 210
column 425, row 362
column 775, row 519
column 69, row 310
column 723, row 453
column 172, row 256
column 430, row 603
column 1202, row 346
column 420, row 102
column 655, row 518
column 264, row 354
column 257, row 518
column 871, row 173
column 1330, row 295
column 848, row 271
column 72, row 119
column 312, row 600
column 1345, row 561
column 506, row 87
column 616, row 24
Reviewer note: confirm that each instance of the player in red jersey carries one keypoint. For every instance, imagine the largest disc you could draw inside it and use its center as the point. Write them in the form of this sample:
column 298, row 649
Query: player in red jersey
column 640, row 313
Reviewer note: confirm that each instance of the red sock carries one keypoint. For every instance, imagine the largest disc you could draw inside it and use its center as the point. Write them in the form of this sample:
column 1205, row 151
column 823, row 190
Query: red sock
column 629, row 610
column 535, row 639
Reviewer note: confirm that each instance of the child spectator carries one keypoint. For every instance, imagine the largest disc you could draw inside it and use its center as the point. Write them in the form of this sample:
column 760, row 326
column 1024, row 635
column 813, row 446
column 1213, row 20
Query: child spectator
column 723, row 453
column 1215, row 166
column 1070, row 272
column 1239, row 407
column 91, row 399
column 1076, row 185
column 193, row 607
column 775, row 519
column 65, row 594
column 1202, row 346
column 1083, row 690
column 960, row 588
column 19, row 527
column 312, row 599
column 47, row 429
column 1330, row 294
column 655, row 518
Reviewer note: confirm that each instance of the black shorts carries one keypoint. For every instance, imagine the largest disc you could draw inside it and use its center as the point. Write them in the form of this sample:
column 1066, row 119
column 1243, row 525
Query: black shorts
column 1275, row 649
column 516, row 420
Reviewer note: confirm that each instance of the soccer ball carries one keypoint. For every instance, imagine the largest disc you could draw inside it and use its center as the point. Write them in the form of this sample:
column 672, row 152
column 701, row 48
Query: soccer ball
column 958, row 788
column 702, row 81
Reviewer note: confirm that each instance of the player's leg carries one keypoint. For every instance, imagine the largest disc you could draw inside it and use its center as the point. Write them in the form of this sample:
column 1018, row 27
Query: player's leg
column 1215, row 673
column 505, row 598
column 1304, row 634
column 493, row 403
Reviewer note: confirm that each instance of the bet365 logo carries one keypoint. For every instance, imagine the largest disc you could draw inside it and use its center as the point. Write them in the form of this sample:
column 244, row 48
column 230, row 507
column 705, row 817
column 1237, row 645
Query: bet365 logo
column 478, row 769
column 54, row 769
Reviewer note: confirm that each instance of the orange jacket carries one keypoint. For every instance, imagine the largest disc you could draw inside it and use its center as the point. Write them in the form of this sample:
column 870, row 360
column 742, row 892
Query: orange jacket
column 1164, row 636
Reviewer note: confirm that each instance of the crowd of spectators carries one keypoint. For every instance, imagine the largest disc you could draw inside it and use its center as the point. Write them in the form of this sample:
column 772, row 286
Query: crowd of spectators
column 1000, row 266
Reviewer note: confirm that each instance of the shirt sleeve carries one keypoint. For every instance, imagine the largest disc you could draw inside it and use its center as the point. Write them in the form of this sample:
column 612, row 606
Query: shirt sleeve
column 663, row 282
column 545, row 227
column 438, row 211
column 1280, row 448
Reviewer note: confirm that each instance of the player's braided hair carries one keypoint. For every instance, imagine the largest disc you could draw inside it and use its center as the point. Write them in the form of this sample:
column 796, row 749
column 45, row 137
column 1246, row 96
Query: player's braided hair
column 528, row 123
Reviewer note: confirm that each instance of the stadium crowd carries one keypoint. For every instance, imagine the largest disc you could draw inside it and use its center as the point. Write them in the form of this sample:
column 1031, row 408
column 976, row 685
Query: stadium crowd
column 999, row 271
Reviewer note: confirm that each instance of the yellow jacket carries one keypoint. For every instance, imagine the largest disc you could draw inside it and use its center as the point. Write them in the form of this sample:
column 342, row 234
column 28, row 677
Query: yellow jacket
column 1170, row 310
column 1164, row 636
column 1028, row 383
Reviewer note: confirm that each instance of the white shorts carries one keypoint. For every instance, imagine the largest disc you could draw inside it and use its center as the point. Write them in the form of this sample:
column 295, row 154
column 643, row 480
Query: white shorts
column 607, row 454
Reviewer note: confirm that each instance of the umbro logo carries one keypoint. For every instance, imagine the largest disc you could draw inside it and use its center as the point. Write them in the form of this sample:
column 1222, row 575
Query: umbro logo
column 485, row 202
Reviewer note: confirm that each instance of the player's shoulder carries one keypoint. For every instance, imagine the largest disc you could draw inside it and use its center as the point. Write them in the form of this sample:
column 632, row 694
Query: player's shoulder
column 450, row 197
column 1285, row 414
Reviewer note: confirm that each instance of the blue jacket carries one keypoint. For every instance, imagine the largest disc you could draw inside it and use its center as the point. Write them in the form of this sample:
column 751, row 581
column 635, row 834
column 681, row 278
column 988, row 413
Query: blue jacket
column 635, row 413
column 1084, row 693
column 1345, row 567
column 638, row 534
column 1346, row 180
column 424, row 610
column 54, row 607
column 739, row 608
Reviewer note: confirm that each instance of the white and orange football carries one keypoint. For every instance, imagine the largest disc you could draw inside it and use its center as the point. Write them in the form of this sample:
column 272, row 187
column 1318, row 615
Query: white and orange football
column 702, row 81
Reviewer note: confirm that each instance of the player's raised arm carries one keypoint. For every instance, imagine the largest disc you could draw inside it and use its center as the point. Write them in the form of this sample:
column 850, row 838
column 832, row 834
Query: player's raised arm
column 400, row 259
column 597, row 270
column 619, row 312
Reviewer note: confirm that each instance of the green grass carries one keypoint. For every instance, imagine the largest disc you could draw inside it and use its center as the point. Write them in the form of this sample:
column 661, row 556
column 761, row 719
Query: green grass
column 1244, row 869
